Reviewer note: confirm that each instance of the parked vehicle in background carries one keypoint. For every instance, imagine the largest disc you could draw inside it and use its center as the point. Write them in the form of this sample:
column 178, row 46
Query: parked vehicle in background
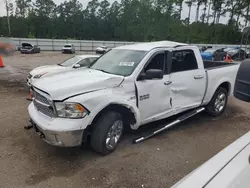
column 203, row 48
column 101, row 49
column 68, row 48
column 69, row 64
column 247, row 50
column 212, row 54
column 28, row 48
column 127, row 87
column 237, row 54
column 6, row 47
column 230, row 167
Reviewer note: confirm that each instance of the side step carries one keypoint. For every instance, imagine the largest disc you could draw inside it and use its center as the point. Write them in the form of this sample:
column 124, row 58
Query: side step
column 179, row 120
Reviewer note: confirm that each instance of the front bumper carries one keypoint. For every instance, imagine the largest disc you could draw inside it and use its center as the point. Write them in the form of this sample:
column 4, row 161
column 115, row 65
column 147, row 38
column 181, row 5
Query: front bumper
column 57, row 131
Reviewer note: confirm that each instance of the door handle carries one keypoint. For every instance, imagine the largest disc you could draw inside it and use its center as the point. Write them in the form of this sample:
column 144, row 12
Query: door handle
column 198, row 76
column 167, row 83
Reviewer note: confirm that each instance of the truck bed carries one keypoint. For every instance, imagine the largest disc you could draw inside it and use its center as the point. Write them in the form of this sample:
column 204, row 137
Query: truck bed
column 219, row 72
column 216, row 64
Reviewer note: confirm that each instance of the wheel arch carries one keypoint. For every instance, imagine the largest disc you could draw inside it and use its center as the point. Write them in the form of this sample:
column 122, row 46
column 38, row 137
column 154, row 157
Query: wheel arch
column 225, row 85
column 131, row 116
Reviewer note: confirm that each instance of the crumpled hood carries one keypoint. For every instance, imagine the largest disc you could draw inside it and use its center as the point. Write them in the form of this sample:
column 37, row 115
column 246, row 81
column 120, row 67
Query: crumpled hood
column 46, row 69
column 66, row 84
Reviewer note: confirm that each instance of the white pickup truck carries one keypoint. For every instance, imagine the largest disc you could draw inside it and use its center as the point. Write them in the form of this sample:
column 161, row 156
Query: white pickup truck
column 127, row 87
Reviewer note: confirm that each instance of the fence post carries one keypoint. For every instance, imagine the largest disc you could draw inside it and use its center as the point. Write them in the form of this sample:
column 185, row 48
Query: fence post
column 92, row 45
column 19, row 46
column 53, row 44
column 80, row 45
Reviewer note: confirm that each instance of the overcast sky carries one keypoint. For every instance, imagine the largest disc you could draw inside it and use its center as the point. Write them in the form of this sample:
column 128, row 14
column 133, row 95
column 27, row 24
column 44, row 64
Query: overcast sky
column 85, row 2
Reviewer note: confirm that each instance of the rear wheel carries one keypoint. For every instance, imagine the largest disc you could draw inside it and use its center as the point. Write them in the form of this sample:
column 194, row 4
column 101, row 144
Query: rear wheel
column 218, row 102
column 107, row 132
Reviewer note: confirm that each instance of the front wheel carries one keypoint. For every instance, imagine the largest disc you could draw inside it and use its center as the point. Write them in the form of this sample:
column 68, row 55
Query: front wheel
column 218, row 102
column 107, row 132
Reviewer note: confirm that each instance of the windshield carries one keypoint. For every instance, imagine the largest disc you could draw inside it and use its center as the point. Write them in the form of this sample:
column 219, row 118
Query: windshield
column 210, row 50
column 67, row 46
column 119, row 61
column 70, row 62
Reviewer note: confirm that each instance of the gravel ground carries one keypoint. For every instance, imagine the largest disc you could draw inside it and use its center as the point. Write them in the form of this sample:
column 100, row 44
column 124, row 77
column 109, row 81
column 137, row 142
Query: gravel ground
column 26, row 161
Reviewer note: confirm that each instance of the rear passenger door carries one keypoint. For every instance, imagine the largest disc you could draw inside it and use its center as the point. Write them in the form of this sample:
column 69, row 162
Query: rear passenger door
column 188, row 81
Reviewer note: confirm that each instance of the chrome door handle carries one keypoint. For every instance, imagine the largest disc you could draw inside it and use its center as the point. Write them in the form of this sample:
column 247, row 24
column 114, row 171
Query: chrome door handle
column 198, row 76
column 167, row 83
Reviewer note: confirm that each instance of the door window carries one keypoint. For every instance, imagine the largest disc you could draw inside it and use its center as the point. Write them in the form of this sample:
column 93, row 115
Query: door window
column 157, row 62
column 183, row 60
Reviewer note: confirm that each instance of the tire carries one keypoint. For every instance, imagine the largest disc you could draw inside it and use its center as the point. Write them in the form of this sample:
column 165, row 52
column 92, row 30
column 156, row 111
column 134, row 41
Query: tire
column 214, row 110
column 101, row 130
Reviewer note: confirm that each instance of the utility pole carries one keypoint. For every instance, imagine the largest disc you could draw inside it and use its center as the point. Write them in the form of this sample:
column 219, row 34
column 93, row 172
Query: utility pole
column 8, row 16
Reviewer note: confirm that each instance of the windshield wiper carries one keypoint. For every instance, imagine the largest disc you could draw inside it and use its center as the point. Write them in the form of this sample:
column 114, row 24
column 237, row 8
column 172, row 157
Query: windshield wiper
column 103, row 71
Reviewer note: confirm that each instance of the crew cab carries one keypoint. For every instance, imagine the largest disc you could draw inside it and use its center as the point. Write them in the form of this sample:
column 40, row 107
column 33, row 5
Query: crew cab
column 74, row 62
column 127, row 87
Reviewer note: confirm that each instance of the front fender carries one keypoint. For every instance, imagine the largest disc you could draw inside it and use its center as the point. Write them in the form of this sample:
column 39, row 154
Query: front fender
column 95, row 102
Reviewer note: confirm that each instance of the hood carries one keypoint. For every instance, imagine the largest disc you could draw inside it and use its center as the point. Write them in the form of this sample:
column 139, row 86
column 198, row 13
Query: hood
column 47, row 69
column 63, row 85
column 26, row 45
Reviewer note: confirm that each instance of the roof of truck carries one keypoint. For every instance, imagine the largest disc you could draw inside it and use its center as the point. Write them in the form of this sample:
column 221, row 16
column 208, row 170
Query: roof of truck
column 151, row 45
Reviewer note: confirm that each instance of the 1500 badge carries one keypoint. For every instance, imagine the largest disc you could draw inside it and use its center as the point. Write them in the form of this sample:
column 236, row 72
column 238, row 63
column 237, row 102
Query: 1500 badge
column 144, row 97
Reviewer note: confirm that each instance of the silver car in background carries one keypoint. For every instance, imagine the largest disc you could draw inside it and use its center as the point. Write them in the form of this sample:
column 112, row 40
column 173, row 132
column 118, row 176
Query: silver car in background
column 68, row 48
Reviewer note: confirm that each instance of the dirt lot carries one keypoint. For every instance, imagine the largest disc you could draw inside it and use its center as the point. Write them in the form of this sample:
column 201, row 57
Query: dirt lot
column 26, row 161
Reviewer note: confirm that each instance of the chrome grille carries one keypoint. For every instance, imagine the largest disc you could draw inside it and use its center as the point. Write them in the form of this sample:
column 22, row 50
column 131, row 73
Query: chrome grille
column 42, row 104
column 48, row 111
column 40, row 98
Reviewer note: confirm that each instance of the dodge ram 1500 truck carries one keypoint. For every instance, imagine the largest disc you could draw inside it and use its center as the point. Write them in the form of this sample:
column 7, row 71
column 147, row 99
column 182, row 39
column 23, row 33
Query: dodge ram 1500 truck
column 127, row 87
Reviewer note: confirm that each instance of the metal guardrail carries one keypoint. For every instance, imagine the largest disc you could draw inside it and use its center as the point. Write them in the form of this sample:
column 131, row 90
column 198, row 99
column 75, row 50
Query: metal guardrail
column 57, row 44
column 85, row 45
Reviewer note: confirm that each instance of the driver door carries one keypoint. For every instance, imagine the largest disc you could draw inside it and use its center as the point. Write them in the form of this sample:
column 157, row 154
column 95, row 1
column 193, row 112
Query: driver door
column 154, row 94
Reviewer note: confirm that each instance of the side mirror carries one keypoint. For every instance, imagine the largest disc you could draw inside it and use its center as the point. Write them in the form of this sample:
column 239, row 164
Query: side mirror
column 76, row 66
column 151, row 74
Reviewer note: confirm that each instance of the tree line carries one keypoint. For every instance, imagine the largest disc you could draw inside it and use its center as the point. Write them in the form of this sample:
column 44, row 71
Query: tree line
column 128, row 20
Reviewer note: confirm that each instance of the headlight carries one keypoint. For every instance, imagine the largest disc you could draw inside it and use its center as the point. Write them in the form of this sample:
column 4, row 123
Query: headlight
column 40, row 75
column 70, row 110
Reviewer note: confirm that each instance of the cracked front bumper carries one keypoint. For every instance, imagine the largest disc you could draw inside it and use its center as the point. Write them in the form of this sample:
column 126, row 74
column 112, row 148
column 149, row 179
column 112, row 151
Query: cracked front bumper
column 65, row 136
